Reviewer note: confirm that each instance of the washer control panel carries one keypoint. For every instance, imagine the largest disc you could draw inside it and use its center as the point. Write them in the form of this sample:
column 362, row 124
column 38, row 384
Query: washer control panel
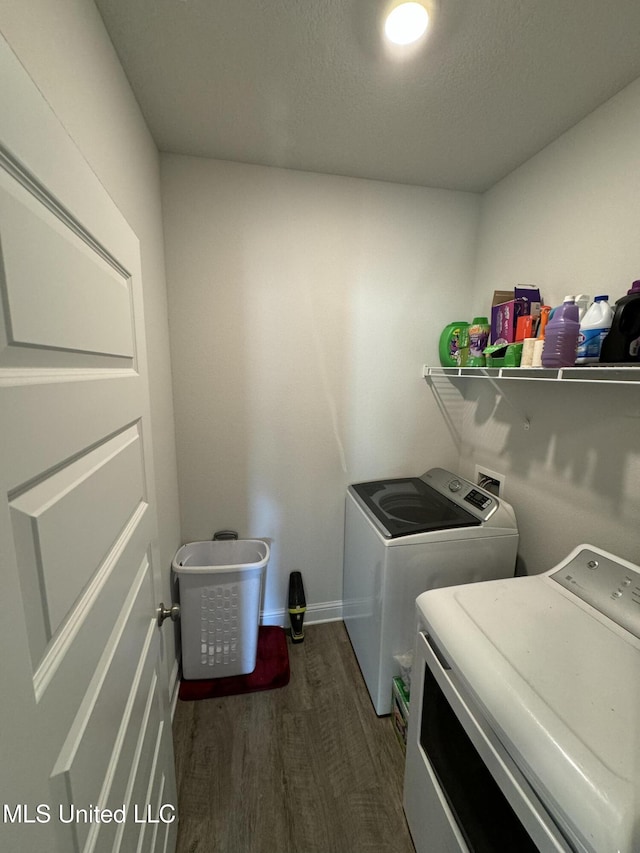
column 480, row 500
column 461, row 492
column 611, row 587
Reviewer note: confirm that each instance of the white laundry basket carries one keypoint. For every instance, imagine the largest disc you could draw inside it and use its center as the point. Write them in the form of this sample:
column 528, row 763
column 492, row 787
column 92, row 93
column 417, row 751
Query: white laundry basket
column 220, row 585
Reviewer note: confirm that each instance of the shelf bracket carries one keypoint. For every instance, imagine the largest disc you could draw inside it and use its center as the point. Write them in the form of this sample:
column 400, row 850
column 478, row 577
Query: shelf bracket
column 526, row 422
column 431, row 373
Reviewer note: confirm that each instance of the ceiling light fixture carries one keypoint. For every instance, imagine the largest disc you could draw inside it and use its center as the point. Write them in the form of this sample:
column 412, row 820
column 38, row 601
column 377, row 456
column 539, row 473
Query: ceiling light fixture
column 406, row 23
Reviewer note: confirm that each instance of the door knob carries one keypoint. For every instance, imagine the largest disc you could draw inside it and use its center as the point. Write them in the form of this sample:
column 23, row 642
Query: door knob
column 172, row 612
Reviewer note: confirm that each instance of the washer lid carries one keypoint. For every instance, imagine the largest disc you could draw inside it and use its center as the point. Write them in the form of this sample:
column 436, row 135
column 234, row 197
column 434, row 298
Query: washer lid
column 408, row 505
column 560, row 685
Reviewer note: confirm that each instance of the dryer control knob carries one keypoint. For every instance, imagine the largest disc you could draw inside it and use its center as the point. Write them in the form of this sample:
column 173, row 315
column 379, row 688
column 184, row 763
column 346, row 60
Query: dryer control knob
column 455, row 486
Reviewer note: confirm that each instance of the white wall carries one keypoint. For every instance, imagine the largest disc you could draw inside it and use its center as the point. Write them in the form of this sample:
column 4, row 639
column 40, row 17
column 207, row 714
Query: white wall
column 304, row 305
column 65, row 48
column 568, row 221
column 302, row 308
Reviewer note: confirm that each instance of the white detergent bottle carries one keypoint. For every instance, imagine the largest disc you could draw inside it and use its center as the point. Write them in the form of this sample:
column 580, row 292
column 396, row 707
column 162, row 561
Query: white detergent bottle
column 582, row 301
column 594, row 327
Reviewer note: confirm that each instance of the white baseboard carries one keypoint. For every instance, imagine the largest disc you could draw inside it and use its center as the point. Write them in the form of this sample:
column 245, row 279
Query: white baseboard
column 326, row 611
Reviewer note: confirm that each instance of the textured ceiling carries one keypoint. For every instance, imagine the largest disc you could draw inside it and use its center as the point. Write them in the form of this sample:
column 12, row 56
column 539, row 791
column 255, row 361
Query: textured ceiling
column 308, row 84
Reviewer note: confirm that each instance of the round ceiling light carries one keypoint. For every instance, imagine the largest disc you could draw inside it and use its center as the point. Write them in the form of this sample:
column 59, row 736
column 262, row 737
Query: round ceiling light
column 406, row 23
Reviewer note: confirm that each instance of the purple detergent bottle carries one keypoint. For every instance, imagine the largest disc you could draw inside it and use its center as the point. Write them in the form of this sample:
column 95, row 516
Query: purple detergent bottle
column 561, row 336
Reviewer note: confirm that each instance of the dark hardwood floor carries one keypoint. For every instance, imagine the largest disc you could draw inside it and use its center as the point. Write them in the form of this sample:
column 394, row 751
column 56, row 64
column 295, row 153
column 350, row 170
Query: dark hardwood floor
column 308, row 768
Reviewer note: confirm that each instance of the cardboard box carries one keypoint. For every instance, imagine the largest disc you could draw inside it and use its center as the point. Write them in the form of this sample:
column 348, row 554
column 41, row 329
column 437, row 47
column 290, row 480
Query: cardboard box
column 532, row 295
column 523, row 300
column 500, row 296
column 504, row 355
column 524, row 327
column 521, row 291
column 504, row 319
column 400, row 710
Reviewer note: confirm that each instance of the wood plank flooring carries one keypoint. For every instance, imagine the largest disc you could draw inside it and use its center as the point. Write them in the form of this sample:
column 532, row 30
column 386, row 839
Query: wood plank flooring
column 308, row 768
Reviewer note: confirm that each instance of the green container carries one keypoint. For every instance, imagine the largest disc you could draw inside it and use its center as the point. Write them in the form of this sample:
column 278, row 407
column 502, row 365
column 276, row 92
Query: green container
column 454, row 344
column 479, row 332
column 504, row 355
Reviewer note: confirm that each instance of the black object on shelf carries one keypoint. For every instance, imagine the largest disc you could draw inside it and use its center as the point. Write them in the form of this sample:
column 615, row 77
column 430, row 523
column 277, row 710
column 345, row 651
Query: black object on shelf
column 297, row 606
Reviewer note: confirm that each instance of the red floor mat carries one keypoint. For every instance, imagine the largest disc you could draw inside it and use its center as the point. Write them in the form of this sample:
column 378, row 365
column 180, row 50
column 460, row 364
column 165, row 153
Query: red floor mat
column 272, row 670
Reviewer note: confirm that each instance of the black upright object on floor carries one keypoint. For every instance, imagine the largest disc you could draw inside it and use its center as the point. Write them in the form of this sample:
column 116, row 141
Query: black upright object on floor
column 297, row 606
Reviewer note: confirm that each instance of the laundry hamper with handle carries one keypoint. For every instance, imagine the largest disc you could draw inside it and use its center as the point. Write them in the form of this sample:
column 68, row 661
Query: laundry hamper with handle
column 220, row 588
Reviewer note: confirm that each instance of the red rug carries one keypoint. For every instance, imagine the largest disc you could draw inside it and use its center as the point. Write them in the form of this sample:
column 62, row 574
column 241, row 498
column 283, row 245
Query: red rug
column 272, row 670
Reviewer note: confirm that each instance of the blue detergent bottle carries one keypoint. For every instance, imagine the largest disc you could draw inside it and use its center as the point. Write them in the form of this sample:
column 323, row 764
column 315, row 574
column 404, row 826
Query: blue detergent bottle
column 594, row 327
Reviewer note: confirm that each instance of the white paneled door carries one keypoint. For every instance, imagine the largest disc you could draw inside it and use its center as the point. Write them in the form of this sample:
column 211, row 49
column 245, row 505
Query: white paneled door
column 86, row 760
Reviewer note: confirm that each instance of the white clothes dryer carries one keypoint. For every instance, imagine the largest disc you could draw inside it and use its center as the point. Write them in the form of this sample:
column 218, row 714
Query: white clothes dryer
column 403, row 537
column 524, row 732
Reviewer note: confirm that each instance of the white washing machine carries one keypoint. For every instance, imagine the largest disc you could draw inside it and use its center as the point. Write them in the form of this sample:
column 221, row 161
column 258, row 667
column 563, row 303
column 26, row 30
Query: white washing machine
column 406, row 536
